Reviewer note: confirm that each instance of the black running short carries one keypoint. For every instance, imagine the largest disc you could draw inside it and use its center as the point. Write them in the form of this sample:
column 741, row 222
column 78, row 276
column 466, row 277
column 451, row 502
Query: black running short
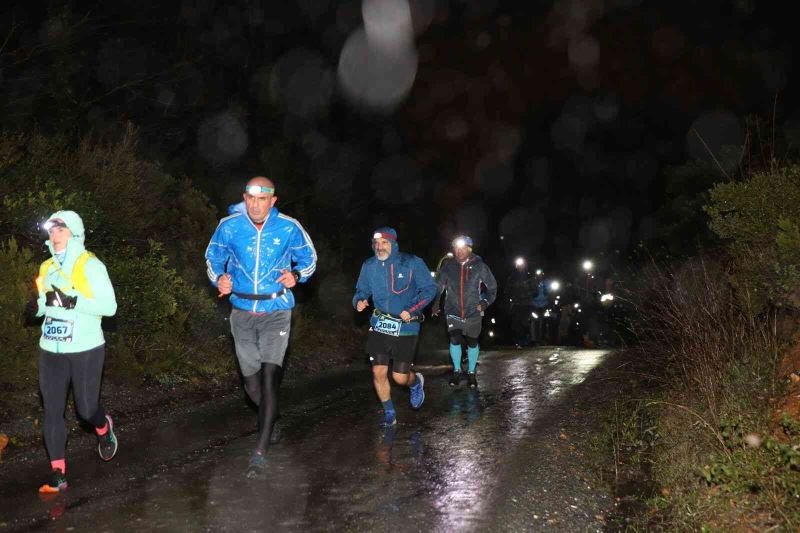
column 382, row 348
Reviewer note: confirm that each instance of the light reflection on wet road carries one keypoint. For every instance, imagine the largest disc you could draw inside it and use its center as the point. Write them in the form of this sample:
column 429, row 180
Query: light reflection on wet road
column 447, row 467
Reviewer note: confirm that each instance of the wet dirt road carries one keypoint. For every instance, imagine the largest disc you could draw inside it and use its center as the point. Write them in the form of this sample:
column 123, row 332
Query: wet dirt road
column 493, row 459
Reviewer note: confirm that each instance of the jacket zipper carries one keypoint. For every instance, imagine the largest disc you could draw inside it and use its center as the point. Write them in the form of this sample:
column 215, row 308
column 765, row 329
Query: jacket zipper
column 258, row 258
column 461, row 290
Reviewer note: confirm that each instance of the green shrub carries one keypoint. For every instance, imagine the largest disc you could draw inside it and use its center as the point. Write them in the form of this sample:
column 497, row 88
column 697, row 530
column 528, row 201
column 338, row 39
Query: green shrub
column 758, row 218
column 150, row 230
column 18, row 340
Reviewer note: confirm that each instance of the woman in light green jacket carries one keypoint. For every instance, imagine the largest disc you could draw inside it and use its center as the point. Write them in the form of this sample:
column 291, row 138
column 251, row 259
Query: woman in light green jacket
column 74, row 294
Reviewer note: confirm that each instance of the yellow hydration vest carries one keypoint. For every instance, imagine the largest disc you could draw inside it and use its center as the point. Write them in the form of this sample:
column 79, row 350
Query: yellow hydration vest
column 77, row 279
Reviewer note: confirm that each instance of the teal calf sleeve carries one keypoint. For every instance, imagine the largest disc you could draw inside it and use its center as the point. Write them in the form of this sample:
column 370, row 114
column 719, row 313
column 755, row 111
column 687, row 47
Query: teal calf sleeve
column 455, row 355
column 472, row 357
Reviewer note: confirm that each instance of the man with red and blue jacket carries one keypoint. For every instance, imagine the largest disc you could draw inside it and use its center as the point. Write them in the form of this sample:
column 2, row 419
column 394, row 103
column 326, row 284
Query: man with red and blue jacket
column 256, row 256
column 400, row 286
column 469, row 287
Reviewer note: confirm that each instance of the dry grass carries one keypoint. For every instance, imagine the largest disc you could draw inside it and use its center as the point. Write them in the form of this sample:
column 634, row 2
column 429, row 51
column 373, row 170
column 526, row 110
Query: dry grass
column 707, row 373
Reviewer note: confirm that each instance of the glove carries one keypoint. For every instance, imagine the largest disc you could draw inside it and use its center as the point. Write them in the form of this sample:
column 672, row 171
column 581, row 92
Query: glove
column 57, row 298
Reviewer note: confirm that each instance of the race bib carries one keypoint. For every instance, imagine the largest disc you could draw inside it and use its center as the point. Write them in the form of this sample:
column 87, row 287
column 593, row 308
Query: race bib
column 56, row 329
column 387, row 326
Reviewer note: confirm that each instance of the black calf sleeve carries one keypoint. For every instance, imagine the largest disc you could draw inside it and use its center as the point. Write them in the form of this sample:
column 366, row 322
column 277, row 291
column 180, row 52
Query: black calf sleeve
column 268, row 406
column 472, row 341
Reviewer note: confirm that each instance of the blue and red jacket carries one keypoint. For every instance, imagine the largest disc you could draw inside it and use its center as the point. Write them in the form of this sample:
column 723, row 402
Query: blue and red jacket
column 401, row 283
column 255, row 257
column 464, row 284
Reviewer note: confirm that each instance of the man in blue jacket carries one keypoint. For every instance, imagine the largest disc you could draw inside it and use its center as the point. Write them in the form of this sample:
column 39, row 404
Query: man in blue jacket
column 400, row 286
column 256, row 256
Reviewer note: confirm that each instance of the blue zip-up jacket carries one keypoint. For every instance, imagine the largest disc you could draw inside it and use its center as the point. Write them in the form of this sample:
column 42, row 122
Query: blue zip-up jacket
column 401, row 283
column 254, row 258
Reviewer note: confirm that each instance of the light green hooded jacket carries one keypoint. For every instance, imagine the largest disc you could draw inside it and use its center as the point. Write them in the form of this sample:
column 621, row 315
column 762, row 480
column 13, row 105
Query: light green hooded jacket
column 83, row 321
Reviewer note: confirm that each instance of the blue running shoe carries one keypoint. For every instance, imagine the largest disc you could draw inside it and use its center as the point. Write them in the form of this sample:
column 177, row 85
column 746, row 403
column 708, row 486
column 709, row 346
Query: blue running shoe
column 389, row 419
column 418, row 392
column 256, row 466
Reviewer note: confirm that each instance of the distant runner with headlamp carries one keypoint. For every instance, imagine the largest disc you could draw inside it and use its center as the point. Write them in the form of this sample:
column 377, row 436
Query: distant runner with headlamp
column 256, row 256
column 75, row 293
column 400, row 286
column 463, row 279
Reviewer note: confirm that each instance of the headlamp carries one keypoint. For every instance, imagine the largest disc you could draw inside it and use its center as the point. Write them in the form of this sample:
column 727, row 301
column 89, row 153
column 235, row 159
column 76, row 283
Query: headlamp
column 378, row 235
column 258, row 189
column 462, row 241
column 53, row 223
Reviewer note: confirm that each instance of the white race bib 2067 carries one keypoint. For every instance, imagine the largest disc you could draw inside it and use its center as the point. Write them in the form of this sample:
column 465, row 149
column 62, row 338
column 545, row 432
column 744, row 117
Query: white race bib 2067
column 56, row 329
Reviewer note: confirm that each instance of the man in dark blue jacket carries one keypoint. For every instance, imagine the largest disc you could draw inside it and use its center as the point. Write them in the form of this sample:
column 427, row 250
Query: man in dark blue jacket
column 400, row 286
column 462, row 278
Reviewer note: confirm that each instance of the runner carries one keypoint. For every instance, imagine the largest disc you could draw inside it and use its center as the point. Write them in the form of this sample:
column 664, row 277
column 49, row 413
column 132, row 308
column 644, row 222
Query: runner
column 256, row 256
column 74, row 294
column 461, row 278
column 519, row 291
column 400, row 286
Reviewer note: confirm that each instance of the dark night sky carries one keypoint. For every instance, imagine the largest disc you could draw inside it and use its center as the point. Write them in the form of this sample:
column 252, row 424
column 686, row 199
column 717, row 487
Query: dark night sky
column 552, row 125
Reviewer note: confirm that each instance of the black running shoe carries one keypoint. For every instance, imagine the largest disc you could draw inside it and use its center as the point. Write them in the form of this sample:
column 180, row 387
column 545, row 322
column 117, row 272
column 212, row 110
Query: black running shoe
column 472, row 379
column 456, row 379
column 107, row 444
column 276, row 434
column 55, row 483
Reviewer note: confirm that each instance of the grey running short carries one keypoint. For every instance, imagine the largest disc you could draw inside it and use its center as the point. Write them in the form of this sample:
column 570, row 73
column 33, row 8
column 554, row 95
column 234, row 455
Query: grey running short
column 260, row 338
column 470, row 327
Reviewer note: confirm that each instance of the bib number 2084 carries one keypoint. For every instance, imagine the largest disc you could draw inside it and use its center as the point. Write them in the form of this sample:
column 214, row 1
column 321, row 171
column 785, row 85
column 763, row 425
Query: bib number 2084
column 387, row 326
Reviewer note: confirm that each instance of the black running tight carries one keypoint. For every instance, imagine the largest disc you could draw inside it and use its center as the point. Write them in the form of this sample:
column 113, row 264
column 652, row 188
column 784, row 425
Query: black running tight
column 262, row 388
column 84, row 370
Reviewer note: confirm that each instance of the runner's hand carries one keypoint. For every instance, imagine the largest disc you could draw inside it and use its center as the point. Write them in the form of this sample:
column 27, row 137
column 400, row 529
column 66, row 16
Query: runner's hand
column 361, row 305
column 287, row 279
column 50, row 299
column 224, row 285
column 406, row 316
column 435, row 310
column 57, row 298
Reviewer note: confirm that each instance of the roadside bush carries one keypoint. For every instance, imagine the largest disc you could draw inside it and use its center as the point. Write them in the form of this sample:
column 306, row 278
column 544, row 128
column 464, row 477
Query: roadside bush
column 150, row 230
column 758, row 220
column 701, row 438
column 18, row 343
column 123, row 200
